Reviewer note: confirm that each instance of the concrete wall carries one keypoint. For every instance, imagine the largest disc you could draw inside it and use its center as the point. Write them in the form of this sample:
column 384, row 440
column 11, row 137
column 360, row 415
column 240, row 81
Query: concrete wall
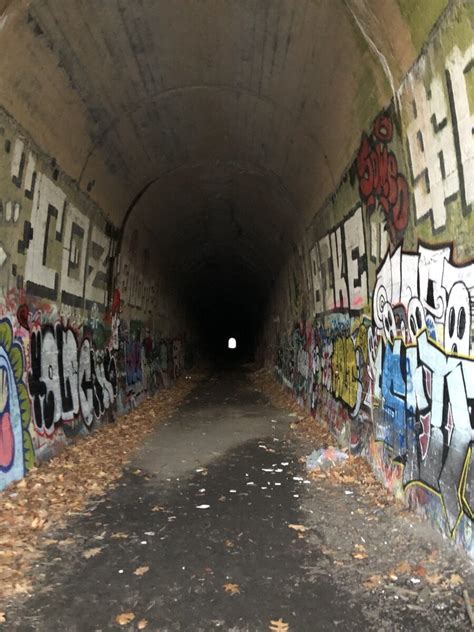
column 87, row 326
column 371, row 325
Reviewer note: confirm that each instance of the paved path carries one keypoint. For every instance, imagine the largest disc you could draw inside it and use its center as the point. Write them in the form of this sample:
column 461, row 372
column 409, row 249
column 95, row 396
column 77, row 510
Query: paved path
column 206, row 502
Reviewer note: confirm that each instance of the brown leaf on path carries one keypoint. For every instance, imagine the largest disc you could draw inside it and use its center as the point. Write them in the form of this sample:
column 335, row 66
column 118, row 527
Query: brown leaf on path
column 360, row 553
column 88, row 553
column 124, row 618
column 278, row 626
column 434, row 579
column 297, row 527
column 119, row 535
column 372, row 582
column 432, row 557
column 37, row 523
column 3, row 617
column 455, row 580
column 141, row 625
column 157, row 508
column 233, row 589
column 403, row 568
column 419, row 571
column 141, row 570
column 229, row 544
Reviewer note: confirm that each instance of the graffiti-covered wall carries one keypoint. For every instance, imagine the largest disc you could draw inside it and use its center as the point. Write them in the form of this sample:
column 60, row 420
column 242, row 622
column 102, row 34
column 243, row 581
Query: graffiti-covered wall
column 85, row 332
column 372, row 324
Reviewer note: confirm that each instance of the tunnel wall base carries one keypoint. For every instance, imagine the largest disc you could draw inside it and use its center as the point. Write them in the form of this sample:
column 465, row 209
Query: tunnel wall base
column 371, row 326
column 84, row 334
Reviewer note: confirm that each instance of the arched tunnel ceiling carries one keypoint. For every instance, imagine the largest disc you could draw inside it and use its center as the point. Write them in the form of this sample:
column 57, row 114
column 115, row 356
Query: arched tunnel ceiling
column 227, row 121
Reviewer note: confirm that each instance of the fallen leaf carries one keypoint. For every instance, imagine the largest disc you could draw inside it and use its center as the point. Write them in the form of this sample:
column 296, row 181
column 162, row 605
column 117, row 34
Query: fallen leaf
column 279, row 626
column 141, row 570
column 455, row 580
column 141, row 625
column 434, row 579
column 360, row 553
column 124, row 618
column 401, row 569
column 326, row 551
column 157, row 508
column 372, row 582
column 420, row 571
column 91, row 552
column 229, row 544
column 297, row 527
column 37, row 523
column 119, row 535
column 233, row 589
column 3, row 617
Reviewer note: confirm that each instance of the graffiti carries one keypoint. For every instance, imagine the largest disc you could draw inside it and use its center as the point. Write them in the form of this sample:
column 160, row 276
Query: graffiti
column 65, row 379
column 422, row 316
column 133, row 362
column 66, row 361
column 177, row 359
column 57, row 238
column 16, row 448
column 339, row 267
column 440, row 139
column 393, row 375
column 325, row 367
column 97, row 378
column 381, row 186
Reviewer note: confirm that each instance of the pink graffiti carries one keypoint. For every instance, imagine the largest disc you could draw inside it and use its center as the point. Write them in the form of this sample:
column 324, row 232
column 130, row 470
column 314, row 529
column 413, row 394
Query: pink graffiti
column 7, row 442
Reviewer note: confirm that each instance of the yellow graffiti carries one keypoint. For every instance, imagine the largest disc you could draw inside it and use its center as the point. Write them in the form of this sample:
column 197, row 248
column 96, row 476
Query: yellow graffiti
column 344, row 370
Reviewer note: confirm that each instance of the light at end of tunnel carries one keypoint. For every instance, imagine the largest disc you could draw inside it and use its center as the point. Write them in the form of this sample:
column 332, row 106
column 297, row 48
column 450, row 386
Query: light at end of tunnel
column 232, row 344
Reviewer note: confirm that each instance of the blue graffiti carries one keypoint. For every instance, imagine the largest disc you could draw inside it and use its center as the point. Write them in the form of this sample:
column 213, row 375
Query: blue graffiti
column 394, row 391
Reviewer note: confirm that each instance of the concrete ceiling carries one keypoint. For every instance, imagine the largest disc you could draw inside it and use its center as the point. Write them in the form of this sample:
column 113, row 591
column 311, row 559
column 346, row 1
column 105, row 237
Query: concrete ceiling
column 226, row 122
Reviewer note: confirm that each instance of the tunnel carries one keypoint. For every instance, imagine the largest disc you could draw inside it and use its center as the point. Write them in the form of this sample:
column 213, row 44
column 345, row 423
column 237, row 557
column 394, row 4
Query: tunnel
column 294, row 174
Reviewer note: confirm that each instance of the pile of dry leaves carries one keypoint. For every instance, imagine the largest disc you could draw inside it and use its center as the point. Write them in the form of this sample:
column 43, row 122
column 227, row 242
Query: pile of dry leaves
column 354, row 471
column 61, row 488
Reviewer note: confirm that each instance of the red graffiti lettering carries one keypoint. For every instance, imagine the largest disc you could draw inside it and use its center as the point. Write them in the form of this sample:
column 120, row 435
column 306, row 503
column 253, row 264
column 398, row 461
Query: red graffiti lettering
column 381, row 186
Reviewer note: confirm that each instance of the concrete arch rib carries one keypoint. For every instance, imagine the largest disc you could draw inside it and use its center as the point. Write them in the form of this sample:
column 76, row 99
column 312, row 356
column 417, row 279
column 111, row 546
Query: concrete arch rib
column 237, row 166
column 129, row 110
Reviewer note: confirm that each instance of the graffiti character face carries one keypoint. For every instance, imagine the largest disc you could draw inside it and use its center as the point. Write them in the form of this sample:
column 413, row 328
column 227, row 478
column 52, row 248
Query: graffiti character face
column 457, row 323
column 416, row 318
column 389, row 328
column 379, row 301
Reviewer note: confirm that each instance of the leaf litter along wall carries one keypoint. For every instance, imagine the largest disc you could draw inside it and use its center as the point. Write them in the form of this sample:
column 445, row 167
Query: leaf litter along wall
column 381, row 345
column 74, row 351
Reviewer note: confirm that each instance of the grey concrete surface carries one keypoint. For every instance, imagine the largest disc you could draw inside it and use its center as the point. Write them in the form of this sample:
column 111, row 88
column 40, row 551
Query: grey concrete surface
column 208, row 501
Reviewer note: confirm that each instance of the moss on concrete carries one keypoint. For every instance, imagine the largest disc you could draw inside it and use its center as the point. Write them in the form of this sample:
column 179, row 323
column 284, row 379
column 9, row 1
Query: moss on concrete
column 420, row 16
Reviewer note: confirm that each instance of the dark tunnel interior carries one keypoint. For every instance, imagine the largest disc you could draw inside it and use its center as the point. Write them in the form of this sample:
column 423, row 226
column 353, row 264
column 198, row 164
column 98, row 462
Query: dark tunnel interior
column 294, row 174
column 224, row 308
